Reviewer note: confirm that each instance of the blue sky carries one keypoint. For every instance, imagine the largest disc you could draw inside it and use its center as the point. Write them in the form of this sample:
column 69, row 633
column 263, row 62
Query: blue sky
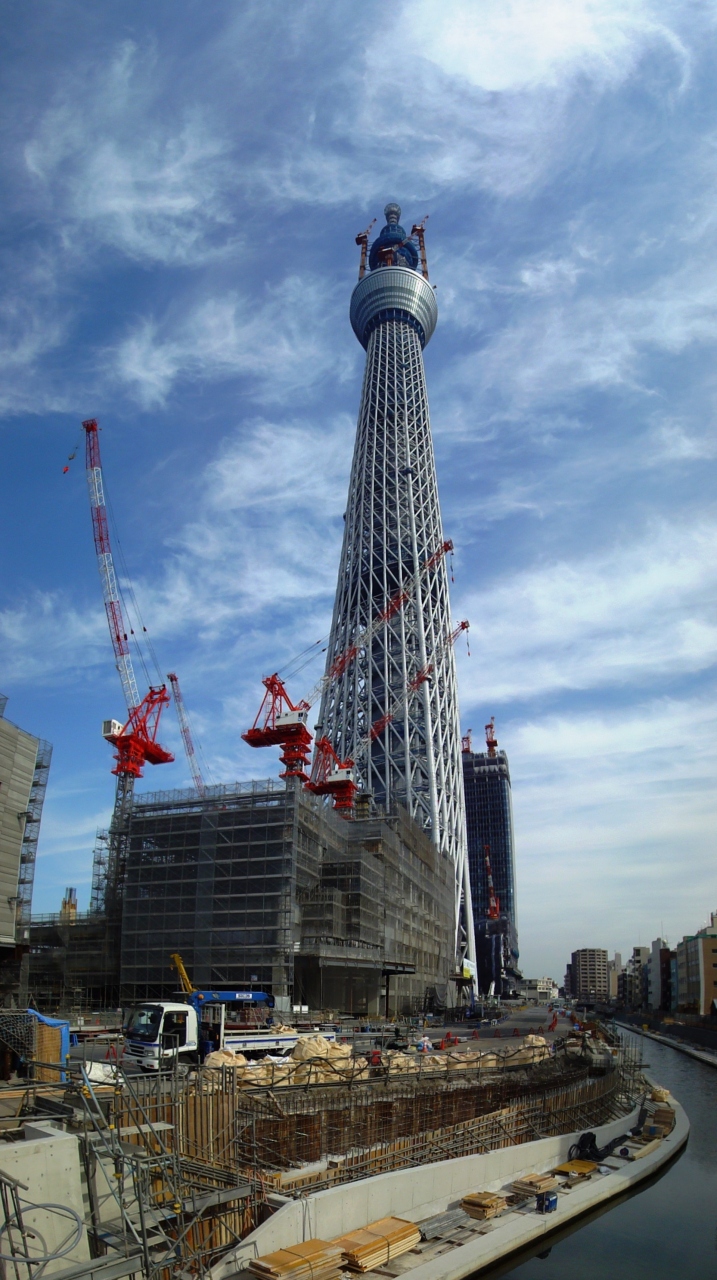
column 183, row 184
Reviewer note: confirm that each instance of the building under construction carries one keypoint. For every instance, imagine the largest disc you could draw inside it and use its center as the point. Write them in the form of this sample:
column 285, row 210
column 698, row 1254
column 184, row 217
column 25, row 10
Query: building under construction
column 260, row 885
column 491, row 853
column 24, row 767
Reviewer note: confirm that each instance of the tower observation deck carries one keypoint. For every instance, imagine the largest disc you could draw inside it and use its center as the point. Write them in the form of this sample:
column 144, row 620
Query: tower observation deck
column 392, row 527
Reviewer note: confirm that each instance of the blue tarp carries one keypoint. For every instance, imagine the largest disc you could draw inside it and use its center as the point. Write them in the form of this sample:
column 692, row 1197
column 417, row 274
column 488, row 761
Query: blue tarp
column 64, row 1033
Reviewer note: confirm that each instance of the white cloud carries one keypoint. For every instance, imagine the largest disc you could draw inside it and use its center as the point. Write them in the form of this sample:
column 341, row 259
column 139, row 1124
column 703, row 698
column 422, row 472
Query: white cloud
column 43, row 638
column 260, row 552
column 505, row 45
column 113, row 169
column 605, row 802
column 282, row 344
column 625, row 616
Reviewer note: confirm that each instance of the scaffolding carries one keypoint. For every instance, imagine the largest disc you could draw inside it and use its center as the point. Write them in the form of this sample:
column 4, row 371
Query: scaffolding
column 177, row 1168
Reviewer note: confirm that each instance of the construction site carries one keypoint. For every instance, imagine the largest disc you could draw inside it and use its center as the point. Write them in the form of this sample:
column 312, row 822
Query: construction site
column 321, row 916
column 163, row 1175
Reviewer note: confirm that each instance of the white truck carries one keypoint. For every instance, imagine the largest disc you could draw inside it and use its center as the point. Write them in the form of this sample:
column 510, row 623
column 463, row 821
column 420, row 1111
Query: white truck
column 157, row 1032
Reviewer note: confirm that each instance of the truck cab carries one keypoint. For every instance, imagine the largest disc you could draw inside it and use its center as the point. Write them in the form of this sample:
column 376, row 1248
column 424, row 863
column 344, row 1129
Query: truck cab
column 157, row 1032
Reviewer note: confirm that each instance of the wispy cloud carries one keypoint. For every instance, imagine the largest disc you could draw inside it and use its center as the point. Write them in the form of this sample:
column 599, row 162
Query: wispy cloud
column 625, row 616
column 602, row 801
column 282, row 344
column 153, row 188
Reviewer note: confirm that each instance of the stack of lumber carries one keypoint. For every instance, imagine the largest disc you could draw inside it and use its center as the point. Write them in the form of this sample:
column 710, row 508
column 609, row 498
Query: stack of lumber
column 376, row 1244
column 312, row 1260
column 577, row 1168
column 483, row 1204
column 534, row 1184
column 664, row 1117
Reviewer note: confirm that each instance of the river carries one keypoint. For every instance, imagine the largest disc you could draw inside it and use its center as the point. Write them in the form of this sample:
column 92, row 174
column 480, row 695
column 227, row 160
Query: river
column 668, row 1231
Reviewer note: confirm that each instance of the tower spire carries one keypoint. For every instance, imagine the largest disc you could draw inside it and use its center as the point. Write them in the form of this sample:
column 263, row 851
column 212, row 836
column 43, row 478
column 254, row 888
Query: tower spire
column 393, row 524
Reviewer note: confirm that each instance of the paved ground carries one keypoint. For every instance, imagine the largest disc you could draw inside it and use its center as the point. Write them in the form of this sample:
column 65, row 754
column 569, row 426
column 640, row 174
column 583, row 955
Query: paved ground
column 535, row 1020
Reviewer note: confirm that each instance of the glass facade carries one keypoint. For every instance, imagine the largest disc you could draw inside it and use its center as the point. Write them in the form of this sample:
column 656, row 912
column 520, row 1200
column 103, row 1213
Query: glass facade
column 489, row 820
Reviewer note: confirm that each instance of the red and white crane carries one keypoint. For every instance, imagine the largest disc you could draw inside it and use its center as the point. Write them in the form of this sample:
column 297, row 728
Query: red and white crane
column 337, row 778
column 135, row 740
column 282, row 723
column 186, row 732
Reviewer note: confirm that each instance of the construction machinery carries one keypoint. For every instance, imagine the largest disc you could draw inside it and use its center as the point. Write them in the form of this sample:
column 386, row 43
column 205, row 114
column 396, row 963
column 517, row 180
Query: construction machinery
column 159, row 1032
column 362, row 240
column 490, row 738
column 280, row 722
column 493, row 912
column 135, row 741
column 186, row 733
column 337, row 778
column 418, row 230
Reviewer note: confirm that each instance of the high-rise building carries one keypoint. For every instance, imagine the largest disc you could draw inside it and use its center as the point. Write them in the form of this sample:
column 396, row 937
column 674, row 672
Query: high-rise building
column 589, row 974
column 24, row 768
column 489, row 818
column 393, row 527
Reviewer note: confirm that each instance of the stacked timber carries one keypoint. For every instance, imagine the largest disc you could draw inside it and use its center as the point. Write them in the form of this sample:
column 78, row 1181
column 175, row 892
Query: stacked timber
column 378, row 1243
column 534, row 1184
column 312, row 1260
column 483, row 1204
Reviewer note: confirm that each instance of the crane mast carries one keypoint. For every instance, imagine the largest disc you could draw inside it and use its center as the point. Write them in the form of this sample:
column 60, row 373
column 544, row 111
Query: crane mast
column 135, row 741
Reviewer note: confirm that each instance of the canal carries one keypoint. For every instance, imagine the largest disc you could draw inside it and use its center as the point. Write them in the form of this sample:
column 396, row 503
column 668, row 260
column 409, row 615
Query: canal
column 668, row 1231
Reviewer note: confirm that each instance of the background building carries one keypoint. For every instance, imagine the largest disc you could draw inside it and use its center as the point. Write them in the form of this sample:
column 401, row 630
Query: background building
column 489, row 824
column 541, row 990
column 24, row 767
column 588, row 975
column 614, row 969
column 696, row 964
column 659, row 994
column 630, row 981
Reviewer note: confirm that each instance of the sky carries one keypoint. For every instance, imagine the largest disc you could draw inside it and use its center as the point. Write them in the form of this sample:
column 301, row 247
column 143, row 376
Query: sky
column 183, row 184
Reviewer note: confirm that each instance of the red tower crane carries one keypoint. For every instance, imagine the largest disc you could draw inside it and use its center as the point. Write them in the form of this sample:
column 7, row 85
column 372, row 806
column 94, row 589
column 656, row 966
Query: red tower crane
column 364, row 638
column 335, row 777
column 362, row 240
column 186, row 735
column 491, row 740
column 418, row 230
column 281, row 724
column 493, row 899
column 136, row 740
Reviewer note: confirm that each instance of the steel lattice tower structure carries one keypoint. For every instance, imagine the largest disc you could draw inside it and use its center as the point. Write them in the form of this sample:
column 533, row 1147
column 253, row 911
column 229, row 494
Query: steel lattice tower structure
column 393, row 525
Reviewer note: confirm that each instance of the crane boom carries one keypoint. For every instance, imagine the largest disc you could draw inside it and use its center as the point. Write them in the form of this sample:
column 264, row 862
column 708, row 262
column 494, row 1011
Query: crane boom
column 178, row 964
column 186, row 732
column 364, row 638
column 335, row 777
column 105, row 563
column 493, row 899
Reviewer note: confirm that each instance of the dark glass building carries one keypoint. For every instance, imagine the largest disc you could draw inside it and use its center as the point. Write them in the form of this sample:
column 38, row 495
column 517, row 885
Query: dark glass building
column 489, row 819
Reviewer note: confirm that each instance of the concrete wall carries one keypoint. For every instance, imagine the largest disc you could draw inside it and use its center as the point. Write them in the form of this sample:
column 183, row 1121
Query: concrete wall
column 407, row 1193
column 48, row 1161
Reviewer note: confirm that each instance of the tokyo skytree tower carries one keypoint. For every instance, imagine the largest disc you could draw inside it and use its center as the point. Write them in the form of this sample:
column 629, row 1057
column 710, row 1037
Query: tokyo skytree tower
column 393, row 526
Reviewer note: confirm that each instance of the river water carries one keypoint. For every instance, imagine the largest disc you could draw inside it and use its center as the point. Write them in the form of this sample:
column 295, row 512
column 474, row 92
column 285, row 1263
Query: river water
column 668, row 1231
